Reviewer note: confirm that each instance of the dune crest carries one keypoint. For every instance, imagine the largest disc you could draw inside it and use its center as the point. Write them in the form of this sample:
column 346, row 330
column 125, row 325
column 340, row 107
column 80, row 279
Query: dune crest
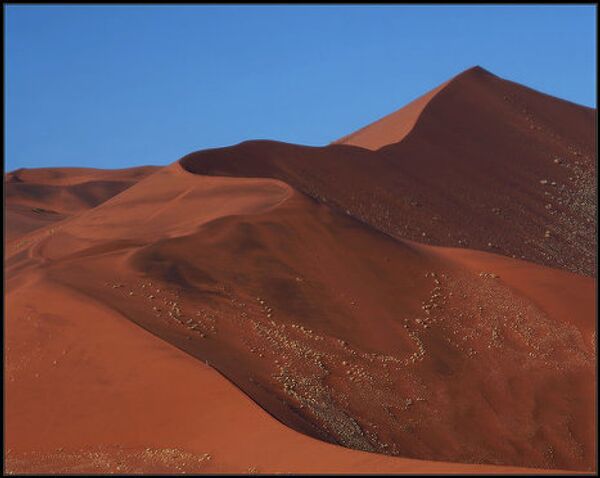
column 391, row 128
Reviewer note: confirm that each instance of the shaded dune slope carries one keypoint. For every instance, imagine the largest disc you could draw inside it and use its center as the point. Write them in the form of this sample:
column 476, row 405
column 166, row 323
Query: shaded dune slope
column 337, row 330
column 391, row 128
column 488, row 164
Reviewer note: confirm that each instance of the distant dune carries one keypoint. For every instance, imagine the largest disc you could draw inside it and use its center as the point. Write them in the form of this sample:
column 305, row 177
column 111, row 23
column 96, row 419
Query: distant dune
column 420, row 292
column 38, row 197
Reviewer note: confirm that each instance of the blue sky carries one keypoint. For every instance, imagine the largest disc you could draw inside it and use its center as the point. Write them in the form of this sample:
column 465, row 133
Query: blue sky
column 119, row 86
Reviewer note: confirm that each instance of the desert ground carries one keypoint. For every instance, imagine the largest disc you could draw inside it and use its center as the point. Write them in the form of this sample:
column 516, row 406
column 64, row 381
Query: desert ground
column 418, row 296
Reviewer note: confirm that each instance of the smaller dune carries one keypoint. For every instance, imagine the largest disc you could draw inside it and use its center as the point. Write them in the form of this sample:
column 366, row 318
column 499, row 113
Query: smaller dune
column 38, row 197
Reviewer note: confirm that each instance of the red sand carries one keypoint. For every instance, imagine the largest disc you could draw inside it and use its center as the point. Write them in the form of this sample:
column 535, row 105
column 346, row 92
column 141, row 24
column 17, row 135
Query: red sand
column 391, row 128
column 337, row 330
column 121, row 400
column 39, row 197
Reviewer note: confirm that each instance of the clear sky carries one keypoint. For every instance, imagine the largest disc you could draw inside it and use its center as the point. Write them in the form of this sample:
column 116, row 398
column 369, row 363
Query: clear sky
column 119, row 86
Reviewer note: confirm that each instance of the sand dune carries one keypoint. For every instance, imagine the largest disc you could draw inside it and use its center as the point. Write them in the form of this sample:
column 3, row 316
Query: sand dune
column 489, row 165
column 38, row 197
column 317, row 282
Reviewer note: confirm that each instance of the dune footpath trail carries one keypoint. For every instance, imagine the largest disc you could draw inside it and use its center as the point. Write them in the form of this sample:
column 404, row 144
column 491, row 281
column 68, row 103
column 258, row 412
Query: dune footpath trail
column 400, row 301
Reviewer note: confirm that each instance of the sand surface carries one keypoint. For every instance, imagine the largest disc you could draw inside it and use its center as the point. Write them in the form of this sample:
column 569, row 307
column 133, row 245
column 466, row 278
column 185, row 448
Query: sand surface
column 278, row 308
column 36, row 198
column 118, row 399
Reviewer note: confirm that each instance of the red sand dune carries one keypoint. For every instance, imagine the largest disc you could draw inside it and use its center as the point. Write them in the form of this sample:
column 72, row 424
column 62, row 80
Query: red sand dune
column 39, row 197
column 488, row 165
column 299, row 279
